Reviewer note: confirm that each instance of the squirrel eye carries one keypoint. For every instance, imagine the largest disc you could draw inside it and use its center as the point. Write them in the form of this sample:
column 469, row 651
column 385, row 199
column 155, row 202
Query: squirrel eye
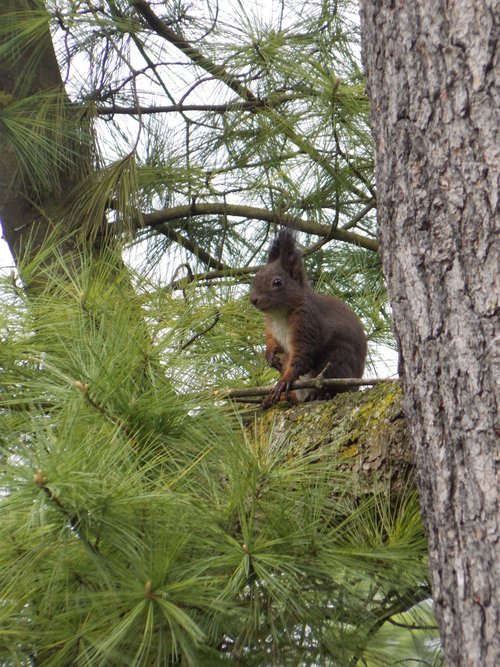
column 277, row 282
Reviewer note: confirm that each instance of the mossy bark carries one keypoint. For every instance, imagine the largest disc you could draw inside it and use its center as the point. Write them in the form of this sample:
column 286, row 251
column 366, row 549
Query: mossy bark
column 367, row 430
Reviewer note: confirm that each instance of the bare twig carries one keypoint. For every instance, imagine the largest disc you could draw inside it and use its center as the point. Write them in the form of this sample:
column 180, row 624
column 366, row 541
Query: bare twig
column 316, row 383
column 183, row 108
column 411, row 626
column 353, row 168
column 237, row 272
column 194, row 248
column 201, row 333
column 357, row 218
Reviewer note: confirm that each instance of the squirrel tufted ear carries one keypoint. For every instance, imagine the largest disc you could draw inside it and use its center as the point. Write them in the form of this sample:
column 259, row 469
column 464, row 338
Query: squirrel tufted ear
column 290, row 257
column 274, row 250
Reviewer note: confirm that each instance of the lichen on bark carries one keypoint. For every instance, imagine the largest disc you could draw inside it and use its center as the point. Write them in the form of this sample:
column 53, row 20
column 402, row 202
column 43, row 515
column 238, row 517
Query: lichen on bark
column 365, row 431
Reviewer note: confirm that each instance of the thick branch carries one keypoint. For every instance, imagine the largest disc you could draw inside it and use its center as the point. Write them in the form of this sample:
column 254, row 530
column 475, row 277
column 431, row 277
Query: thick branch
column 239, row 210
column 367, row 430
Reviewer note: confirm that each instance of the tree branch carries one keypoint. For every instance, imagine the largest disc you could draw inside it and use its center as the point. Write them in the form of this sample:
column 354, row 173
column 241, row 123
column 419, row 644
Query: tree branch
column 357, row 218
column 219, row 72
column 316, row 383
column 161, row 216
column 238, row 272
column 233, row 105
column 411, row 626
column 194, row 248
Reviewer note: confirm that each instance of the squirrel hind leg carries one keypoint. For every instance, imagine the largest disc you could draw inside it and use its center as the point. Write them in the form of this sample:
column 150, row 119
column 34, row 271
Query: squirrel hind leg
column 342, row 363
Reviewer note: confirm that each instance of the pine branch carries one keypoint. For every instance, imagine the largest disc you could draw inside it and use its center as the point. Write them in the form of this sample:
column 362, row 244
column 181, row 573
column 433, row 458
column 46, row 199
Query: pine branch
column 243, row 271
column 217, row 71
column 194, row 248
column 234, row 105
column 161, row 216
column 316, row 383
column 298, row 139
column 72, row 517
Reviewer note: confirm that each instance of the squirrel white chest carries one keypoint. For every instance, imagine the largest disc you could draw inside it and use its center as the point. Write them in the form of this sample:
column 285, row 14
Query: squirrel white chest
column 278, row 326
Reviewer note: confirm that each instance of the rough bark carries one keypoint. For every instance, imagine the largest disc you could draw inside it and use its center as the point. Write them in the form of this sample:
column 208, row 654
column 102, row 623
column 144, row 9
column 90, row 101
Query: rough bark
column 432, row 68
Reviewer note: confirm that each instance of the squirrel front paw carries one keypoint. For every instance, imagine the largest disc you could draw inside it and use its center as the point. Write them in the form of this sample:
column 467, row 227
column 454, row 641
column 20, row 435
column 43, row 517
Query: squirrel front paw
column 275, row 360
column 280, row 388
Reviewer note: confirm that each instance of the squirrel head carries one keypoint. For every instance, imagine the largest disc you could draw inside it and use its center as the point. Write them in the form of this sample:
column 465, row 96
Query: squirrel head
column 281, row 284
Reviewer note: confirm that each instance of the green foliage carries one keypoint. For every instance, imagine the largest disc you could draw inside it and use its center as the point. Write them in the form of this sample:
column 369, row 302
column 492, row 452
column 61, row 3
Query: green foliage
column 265, row 108
column 47, row 136
column 144, row 525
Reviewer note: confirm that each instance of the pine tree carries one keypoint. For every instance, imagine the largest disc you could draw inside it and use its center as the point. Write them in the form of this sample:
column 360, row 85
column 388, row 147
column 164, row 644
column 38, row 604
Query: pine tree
column 144, row 523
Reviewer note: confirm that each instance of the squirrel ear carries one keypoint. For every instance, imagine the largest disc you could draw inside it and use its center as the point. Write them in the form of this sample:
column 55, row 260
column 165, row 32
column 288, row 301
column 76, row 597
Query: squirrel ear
column 283, row 247
column 290, row 256
column 275, row 249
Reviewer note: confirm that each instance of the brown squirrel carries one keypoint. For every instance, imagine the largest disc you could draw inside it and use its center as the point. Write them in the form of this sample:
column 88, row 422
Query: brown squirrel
column 307, row 334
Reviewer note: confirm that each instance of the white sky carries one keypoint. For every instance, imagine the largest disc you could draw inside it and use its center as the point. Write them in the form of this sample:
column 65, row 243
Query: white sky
column 6, row 261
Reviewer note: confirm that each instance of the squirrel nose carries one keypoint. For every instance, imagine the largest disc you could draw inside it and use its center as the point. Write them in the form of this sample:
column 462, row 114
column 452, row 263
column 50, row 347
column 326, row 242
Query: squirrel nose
column 254, row 299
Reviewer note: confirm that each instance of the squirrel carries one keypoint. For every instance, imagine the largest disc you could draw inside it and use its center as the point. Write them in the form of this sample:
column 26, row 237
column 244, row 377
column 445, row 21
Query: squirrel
column 307, row 333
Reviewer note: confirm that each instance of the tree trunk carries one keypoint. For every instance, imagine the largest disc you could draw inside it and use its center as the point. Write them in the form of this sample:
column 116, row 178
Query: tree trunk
column 28, row 209
column 431, row 68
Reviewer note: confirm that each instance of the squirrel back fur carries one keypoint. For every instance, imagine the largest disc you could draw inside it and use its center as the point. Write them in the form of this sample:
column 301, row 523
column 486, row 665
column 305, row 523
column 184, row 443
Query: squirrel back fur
column 307, row 334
